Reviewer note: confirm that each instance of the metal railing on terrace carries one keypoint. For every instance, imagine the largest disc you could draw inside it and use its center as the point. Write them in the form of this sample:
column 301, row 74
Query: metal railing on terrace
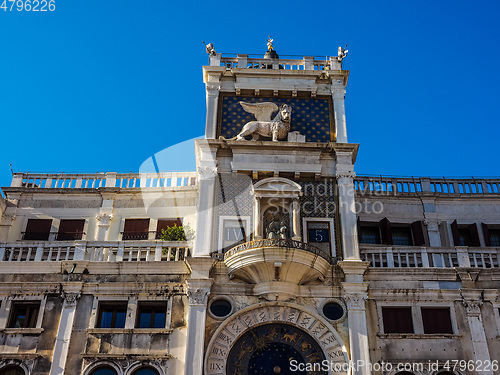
column 97, row 180
column 249, row 62
column 425, row 185
column 414, row 257
column 94, row 251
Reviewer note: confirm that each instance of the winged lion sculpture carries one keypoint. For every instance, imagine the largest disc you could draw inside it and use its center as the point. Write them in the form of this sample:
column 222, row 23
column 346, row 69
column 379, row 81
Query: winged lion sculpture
column 277, row 128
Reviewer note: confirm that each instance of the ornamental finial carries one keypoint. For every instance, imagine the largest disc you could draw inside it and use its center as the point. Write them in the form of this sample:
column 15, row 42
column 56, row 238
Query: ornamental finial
column 270, row 43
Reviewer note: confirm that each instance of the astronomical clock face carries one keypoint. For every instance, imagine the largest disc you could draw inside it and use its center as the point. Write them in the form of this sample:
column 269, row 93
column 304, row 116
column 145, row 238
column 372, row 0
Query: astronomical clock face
column 274, row 349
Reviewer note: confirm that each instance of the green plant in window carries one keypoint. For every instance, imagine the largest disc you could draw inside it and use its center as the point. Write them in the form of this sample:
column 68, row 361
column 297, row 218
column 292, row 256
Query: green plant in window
column 175, row 233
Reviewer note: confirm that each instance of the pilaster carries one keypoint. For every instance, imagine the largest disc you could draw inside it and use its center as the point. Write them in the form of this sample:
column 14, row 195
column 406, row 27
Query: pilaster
column 197, row 292
column 338, row 95
column 347, row 208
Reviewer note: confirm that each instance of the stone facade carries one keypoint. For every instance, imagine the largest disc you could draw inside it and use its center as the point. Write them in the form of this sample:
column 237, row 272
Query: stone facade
column 296, row 261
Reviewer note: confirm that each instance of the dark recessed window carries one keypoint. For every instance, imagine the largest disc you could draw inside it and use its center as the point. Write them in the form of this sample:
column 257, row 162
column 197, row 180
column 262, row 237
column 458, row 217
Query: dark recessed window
column 12, row 370
column 112, row 315
column 465, row 235
column 221, row 308
column 136, row 229
column 105, row 370
column 369, row 234
column 494, row 237
column 70, row 230
column 24, row 315
column 402, row 236
column 436, row 320
column 38, row 229
column 333, row 310
column 318, row 234
column 151, row 315
column 397, row 319
column 145, row 371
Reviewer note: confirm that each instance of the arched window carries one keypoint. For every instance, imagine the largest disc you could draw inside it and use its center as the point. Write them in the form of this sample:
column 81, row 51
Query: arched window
column 12, row 370
column 145, row 371
column 103, row 370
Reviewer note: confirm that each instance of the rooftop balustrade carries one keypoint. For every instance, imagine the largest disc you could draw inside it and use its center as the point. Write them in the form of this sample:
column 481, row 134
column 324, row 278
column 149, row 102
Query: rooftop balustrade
column 99, row 180
column 425, row 185
column 414, row 257
column 95, row 251
column 247, row 62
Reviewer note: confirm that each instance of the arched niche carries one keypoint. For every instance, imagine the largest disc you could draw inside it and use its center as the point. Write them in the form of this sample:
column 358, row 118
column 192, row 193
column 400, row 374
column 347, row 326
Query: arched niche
column 280, row 195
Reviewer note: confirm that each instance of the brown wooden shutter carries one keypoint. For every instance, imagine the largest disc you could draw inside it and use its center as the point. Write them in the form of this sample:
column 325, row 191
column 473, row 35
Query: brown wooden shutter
column 136, row 229
column 436, row 320
column 397, row 319
column 38, row 229
column 70, row 230
column 385, row 229
column 455, row 233
column 166, row 223
column 486, row 234
column 417, row 228
column 474, row 235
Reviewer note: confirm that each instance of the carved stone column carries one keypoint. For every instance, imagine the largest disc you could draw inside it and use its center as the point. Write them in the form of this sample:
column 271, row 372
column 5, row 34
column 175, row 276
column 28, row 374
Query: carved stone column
column 197, row 291
column 212, row 89
column 433, row 231
column 338, row 95
column 103, row 223
column 64, row 333
column 347, row 209
column 257, row 219
column 296, row 220
column 472, row 301
column 355, row 295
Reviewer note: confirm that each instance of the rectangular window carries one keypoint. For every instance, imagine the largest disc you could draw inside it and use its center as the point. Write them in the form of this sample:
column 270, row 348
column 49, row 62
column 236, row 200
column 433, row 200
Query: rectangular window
column 436, row 320
column 369, row 234
column 166, row 223
column 494, row 237
column 397, row 319
column 151, row 315
column 233, row 233
column 401, row 236
column 24, row 314
column 136, row 229
column 112, row 315
column 318, row 234
column 70, row 230
column 38, row 229
column 465, row 235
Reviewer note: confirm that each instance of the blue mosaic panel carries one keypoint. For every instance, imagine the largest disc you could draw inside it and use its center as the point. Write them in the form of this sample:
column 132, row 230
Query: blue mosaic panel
column 311, row 117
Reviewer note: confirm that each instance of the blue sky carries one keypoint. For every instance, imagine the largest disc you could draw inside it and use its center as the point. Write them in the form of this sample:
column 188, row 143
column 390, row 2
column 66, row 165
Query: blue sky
column 103, row 85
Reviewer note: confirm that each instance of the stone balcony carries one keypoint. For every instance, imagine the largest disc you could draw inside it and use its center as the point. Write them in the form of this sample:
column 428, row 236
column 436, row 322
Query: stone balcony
column 278, row 264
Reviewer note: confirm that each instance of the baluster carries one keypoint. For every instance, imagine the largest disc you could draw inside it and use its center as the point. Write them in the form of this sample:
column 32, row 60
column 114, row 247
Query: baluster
column 169, row 253
column 28, row 257
column 20, row 254
column 176, row 254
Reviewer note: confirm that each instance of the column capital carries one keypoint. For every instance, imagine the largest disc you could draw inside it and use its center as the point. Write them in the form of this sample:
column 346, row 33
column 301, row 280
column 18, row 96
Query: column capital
column 213, row 89
column 355, row 295
column 207, row 173
column 346, row 175
column 338, row 93
column 198, row 291
column 104, row 218
column 472, row 301
column 432, row 225
column 70, row 299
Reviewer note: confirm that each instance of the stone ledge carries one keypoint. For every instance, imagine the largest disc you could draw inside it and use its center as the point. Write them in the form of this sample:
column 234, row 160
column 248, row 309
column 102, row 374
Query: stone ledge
column 22, row 331
column 118, row 331
column 138, row 357
column 418, row 336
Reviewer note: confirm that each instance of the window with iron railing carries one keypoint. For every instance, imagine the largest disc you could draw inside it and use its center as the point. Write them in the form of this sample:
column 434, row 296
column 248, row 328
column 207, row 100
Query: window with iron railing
column 37, row 229
column 70, row 230
column 136, row 229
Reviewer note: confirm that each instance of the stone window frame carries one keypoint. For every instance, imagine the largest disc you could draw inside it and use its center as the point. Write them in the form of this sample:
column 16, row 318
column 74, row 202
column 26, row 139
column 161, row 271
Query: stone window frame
column 416, row 313
column 246, row 222
column 56, row 222
column 331, row 220
column 93, row 366
column 153, row 222
column 334, row 300
column 6, row 311
column 132, row 310
column 217, row 298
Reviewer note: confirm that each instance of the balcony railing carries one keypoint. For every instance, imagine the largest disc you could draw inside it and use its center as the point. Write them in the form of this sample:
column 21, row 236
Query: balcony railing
column 94, row 251
column 284, row 243
column 99, row 180
column 413, row 257
column 380, row 185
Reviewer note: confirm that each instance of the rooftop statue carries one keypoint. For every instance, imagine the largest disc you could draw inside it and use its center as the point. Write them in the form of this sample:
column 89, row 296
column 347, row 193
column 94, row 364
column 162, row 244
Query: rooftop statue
column 277, row 128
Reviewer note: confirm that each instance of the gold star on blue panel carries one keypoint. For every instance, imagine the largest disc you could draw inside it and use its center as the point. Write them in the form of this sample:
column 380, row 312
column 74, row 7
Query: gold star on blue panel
column 309, row 115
